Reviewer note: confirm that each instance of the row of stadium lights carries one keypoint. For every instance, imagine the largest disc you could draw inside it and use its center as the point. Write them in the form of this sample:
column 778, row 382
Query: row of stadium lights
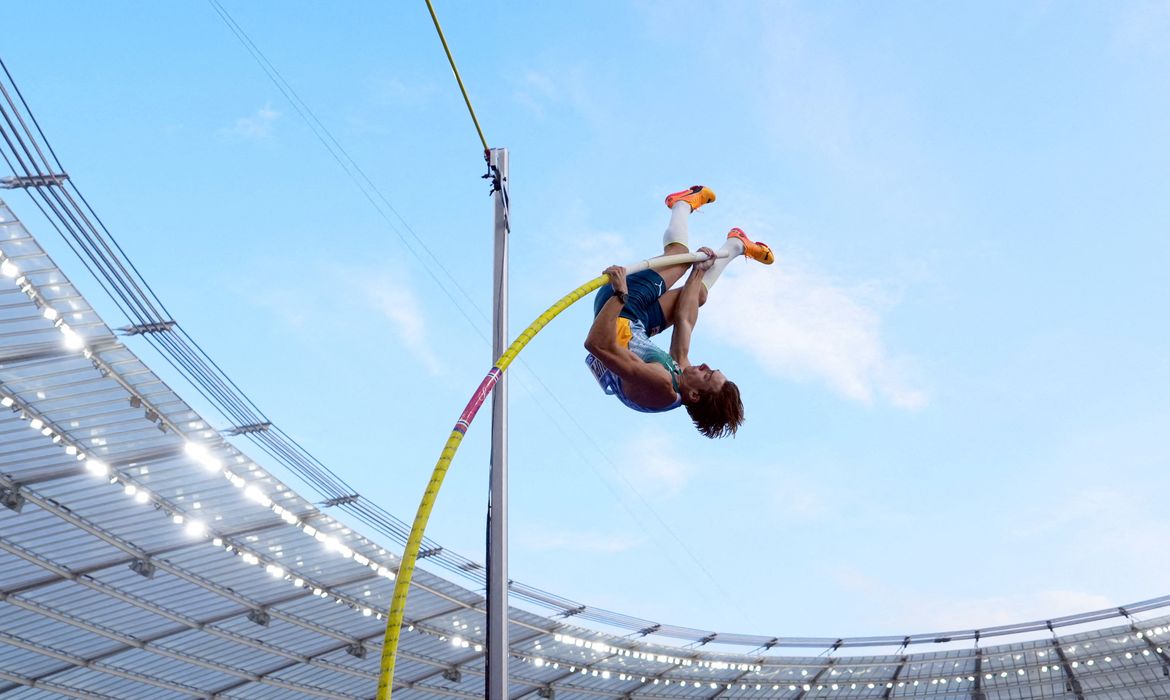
column 72, row 339
column 537, row 661
column 602, row 648
column 196, row 528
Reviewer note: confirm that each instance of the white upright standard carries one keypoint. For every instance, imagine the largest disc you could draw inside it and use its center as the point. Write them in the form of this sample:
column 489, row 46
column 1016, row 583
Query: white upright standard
column 497, row 549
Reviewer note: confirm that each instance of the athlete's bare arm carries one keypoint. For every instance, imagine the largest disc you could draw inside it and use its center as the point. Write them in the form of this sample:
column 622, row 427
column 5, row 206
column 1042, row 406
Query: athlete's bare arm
column 686, row 309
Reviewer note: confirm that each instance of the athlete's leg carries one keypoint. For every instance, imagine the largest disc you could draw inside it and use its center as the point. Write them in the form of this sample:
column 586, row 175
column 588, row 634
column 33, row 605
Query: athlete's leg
column 737, row 244
column 676, row 238
column 732, row 248
column 675, row 241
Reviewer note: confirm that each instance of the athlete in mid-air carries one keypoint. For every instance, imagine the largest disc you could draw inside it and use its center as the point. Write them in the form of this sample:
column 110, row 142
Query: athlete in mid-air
column 631, row 309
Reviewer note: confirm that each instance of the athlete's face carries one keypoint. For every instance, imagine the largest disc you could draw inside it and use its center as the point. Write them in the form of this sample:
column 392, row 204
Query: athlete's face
column 701, row 379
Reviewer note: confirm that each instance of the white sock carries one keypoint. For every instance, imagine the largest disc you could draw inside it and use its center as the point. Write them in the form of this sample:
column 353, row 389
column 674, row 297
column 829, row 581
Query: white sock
column 734, row 248
column 677, row 231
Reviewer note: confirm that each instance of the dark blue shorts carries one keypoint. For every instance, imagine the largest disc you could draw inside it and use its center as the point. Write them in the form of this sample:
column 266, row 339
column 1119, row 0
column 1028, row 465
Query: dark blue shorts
column 642, row 301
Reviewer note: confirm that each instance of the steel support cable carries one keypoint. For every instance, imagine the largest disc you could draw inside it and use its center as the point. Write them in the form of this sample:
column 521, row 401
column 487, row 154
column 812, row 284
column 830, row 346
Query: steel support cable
column 52, row 222
column 334, row 487
column 74, row 246
column 458, row 79
column 101, row 243
column 74, row 241
column 31, row 169
column 392, row 529
column 307, row 459
column 132, row 307
column 279, row 446
column 307, row 456
column 410, row 554
column 55, row 193
column 49, row 147
column 170, row 346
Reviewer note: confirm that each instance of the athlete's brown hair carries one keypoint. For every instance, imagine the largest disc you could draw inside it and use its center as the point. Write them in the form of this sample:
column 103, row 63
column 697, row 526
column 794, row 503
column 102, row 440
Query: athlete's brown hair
column 718, row 413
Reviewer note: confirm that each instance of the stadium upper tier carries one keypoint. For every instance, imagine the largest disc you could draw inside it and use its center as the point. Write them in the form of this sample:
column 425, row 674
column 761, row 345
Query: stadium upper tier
column 144, row 555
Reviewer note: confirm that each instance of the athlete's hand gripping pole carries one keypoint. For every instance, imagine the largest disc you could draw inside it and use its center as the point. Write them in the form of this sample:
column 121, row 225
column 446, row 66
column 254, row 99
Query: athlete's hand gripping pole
column 410, row 554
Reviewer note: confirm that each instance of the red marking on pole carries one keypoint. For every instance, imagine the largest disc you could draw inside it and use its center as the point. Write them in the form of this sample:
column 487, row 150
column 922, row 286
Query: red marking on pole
column 481, row 393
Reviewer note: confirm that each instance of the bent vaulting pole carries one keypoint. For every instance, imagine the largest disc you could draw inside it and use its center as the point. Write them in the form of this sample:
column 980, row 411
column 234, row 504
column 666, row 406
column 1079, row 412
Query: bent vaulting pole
column 410, row 554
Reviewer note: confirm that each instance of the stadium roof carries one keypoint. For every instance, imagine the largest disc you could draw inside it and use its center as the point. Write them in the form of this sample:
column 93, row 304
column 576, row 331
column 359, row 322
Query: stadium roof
column 144, row 555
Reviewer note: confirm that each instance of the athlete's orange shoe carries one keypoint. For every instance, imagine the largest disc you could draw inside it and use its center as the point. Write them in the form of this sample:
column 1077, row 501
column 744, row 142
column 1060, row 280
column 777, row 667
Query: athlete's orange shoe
column 753, row 249
column 695, row 196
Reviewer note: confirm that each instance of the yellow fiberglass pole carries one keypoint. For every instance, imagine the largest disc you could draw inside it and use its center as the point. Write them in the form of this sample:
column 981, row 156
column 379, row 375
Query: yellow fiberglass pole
column 410, row 554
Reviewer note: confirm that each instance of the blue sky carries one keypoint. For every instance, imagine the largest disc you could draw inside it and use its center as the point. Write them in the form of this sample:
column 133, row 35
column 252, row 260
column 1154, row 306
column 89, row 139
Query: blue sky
column 956, row 374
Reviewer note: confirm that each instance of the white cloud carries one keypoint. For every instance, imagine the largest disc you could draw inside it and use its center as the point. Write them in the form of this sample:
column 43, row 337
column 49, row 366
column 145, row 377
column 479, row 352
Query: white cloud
column 293, row 306
column 600, row 249
column 903, row 609
column 819, row 107
column 257, row 126
column 534, row 90
column 566, row 91
column 397, row 302
column 796, row 496
column 372, row 293
column 659, row 470
column 592, row 248
column 800, row 325
column 941, row 614
column 1097, row 523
